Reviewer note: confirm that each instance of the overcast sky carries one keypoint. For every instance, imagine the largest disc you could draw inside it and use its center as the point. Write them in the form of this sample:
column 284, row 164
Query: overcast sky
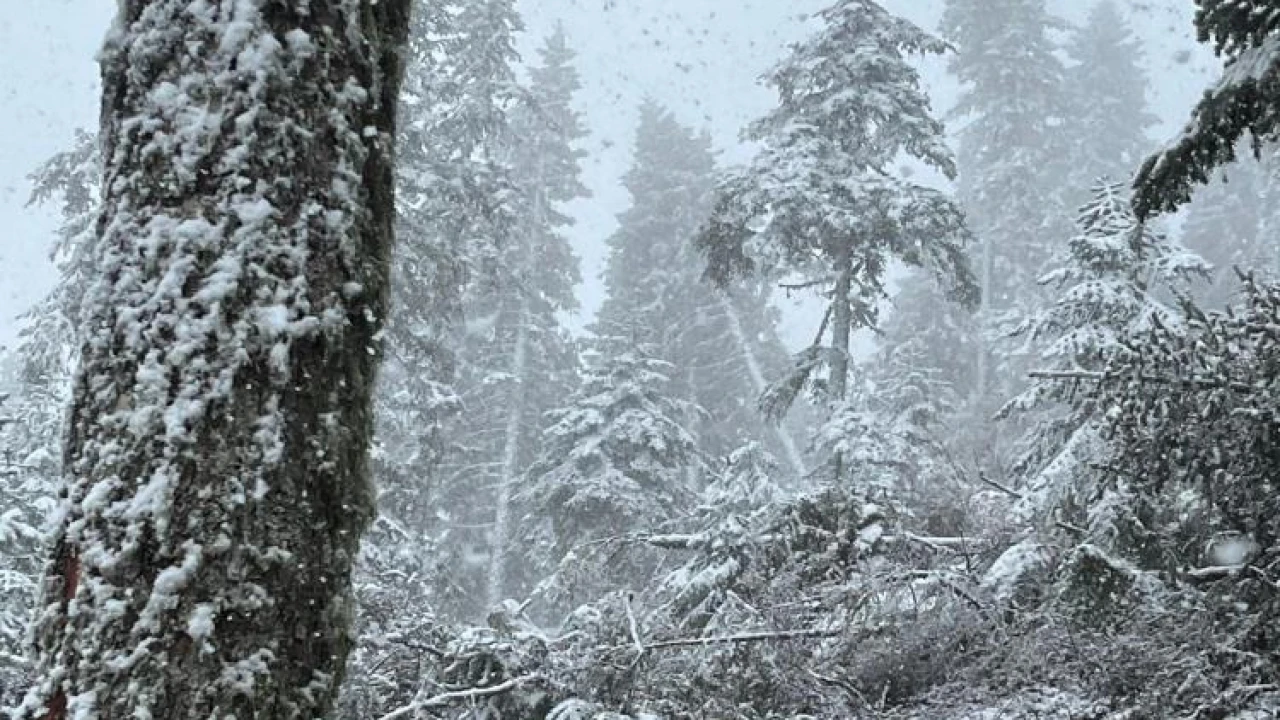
column 700, row 57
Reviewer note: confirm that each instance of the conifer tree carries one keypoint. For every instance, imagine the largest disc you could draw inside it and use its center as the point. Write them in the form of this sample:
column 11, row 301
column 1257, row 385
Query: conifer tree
column 517, row 362
column 457, row 206
column 820, row 203
column 1013, row 163
column 1107, row 88
column 721, row 343
column 615, row 460
column 33, row 411
column 1112, row 279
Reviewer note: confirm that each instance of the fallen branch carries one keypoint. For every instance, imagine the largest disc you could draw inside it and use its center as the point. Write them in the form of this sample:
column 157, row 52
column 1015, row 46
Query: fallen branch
column 456, row 696
column 1002, row 488
column 1219, row 572
column 742, row 638
column 950, row 544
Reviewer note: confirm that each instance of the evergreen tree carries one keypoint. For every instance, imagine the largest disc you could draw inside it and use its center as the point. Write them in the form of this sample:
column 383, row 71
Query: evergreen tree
column 1013, row 163
column 616, row 460
column 517, row 362
column 457, row 207
column 1107, row 88
column 216, row 474
column 1244, row 100
column 1109, row 279
column 819, row 203
column 32, row 423
column 720, row 342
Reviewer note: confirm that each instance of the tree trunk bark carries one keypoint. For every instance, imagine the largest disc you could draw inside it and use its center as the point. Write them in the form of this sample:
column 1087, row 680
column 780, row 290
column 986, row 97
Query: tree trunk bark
column 216, row 453
column 497, row 580
column 842, row 319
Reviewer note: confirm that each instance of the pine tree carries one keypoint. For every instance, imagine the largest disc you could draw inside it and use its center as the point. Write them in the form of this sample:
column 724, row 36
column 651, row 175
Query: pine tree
column 1108, row 120
column 216, row 474
column 616, row 460
column 721, row 342
column 1012, row 162
column 820, row 203
column 1243, row 100
column 517, row 362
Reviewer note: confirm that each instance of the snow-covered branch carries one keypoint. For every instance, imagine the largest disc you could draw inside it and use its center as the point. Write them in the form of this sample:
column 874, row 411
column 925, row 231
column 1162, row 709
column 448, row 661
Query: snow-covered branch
column 455, row 697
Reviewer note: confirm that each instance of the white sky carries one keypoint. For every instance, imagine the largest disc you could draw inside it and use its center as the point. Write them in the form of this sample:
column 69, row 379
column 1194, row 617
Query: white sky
column 700, row 57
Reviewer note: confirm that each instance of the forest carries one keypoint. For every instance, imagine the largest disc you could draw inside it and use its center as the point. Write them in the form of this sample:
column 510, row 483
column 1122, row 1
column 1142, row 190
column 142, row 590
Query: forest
column 306, row 428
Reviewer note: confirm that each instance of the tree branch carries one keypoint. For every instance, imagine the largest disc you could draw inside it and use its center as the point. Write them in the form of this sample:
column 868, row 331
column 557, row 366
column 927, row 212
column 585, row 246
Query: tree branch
column 1101, row 377
column 742, row 638
column 456, row 696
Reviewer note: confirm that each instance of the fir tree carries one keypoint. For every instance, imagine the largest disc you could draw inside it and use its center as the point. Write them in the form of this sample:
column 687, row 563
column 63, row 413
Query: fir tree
column 1108, row 121
column 820, row 205
column 457, row 207
column 1109, row 280
column 1012, row 161
column 33, row 418
column 517, row 362
column 615, row 460
column 720, row 342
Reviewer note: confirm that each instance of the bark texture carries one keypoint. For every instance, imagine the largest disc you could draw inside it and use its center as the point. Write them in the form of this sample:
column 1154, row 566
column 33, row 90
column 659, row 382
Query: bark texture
column 216, row 454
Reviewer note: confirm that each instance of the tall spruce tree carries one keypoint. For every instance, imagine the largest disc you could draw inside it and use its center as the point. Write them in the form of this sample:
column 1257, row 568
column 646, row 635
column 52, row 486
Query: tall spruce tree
column 821, row 207
column 517, row 362
column 216, row 454
column 35, row 412
column 616, row 460
column 1108, row 119
column 1112, row 280
column 1012, row 160
column 721, row 343
column 457, row 207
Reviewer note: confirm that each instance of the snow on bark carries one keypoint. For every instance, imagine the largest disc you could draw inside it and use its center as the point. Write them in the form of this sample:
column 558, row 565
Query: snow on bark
column 510, row 459
column 217, row 486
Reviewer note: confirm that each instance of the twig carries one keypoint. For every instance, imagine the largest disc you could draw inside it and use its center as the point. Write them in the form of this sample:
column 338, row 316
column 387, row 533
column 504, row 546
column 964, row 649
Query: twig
column 456, row 696
column 1073, row 529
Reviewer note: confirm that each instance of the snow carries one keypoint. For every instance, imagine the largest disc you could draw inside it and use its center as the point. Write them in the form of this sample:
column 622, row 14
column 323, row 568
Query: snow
column 201, row 622
column 1009, row 571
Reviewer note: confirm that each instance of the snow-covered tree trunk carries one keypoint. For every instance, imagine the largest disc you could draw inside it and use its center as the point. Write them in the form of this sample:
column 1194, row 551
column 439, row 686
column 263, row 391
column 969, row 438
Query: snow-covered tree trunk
column 511, row 469
column 216, row 456
column 842, row 320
